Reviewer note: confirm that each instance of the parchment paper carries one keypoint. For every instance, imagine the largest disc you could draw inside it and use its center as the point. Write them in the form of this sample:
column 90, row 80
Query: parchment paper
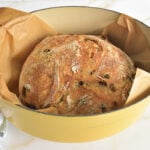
column 127, row 35
column 20, row 32
column 7, row 14
column 17, row 38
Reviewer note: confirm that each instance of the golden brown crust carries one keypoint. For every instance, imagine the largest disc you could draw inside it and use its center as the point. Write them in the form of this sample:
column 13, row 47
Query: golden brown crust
column 76, row 74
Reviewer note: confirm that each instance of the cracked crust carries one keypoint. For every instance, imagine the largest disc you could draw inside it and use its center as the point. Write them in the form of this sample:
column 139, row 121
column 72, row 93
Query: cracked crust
column 76, row 74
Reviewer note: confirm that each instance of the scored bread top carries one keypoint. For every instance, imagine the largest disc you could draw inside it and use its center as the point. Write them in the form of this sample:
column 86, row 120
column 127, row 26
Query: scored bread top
column 76, row 74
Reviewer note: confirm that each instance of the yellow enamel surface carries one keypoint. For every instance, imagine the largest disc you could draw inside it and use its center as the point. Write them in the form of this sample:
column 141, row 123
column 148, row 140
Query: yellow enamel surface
column 72, row 129
column 75, row 129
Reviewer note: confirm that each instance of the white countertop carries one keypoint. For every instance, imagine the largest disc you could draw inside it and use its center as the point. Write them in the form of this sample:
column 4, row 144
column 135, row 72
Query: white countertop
column 136, row 137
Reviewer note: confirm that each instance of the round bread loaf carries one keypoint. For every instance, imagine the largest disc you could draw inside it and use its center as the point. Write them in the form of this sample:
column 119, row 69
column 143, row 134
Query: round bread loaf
column 76, row 74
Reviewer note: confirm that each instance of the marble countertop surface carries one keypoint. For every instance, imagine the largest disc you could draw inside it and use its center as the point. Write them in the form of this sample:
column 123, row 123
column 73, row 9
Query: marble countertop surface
column 136, row 137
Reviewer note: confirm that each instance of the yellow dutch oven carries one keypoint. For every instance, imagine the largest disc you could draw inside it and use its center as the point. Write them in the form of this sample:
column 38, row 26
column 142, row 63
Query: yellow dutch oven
column 75, row 128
